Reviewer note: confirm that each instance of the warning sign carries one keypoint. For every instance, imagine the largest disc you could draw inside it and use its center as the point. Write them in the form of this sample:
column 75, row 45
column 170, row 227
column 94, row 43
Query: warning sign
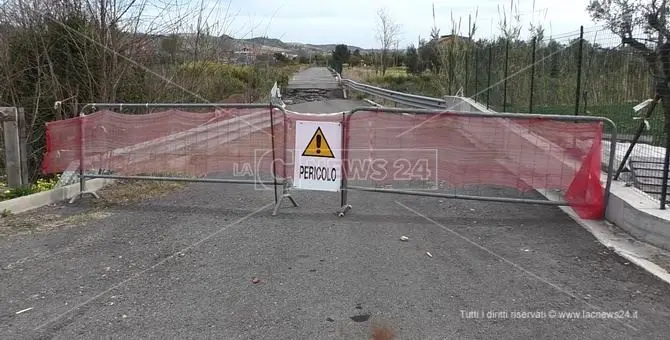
column 318, row 161
column 318, row 146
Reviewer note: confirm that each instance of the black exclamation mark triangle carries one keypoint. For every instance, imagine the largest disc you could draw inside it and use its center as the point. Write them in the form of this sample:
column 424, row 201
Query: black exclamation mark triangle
column 318, row 146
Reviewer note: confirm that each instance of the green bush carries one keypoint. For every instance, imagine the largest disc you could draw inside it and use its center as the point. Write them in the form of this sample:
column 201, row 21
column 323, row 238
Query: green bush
column 42, row 184
column 424, row 84
column 216, row 81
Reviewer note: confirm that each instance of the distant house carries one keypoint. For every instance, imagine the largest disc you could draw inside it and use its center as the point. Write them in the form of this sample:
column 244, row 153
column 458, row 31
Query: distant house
column 244, row 56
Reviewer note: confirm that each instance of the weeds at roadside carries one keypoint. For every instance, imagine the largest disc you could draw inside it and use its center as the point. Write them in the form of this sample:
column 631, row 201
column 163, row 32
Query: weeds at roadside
column 129, row 191
column 61, row 216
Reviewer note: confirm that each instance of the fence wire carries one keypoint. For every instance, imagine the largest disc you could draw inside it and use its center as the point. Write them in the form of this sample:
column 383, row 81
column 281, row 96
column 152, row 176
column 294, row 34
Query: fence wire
column 587, row 72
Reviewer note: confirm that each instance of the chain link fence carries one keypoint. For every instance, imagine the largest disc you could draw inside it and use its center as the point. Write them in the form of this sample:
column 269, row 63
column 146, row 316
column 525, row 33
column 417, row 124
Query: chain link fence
column 585, row 72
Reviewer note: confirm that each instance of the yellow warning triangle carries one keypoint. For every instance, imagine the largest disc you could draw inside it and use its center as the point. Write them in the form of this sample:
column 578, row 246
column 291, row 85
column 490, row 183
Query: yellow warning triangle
column 318, row 146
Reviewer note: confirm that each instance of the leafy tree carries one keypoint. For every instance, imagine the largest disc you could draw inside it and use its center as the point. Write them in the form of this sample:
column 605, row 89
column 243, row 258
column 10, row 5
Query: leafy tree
column 281, row 58
column 341, row 53
column 429, row 55
column 340, row 56
column 412, row 60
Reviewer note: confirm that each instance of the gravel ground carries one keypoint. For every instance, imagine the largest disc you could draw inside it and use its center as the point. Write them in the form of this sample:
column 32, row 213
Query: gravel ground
column 183, row 266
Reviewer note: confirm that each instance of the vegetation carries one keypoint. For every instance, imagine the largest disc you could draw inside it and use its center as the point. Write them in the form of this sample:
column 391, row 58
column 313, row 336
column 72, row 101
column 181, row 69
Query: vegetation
column 42, row 184
column 626, row 17
column 77, row 52
column 500, row 72
column 340, row 56
column 387, row 35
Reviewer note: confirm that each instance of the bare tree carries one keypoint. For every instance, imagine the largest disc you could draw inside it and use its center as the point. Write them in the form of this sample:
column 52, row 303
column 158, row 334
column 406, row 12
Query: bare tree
column 510, row 26
column 535, row 28
column 69, row 52
column 387, row 34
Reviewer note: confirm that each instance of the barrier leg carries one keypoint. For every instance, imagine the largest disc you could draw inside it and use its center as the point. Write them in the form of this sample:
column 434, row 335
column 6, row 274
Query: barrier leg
column 344, row 205
column 285, row 195
column 344, row 210
column 83, row 191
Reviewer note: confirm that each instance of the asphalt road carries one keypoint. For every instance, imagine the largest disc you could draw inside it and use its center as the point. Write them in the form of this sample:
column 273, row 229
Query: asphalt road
column 327, row 106
column 182, row 267
column 313, row 78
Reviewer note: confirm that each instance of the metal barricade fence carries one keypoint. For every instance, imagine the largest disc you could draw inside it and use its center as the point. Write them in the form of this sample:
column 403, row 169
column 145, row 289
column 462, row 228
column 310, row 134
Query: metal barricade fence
column 500, row 157
column 504, row 153
column 235, row 140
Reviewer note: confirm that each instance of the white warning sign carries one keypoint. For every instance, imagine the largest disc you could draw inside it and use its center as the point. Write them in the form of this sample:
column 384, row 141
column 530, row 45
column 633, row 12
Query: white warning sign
column 318, row 159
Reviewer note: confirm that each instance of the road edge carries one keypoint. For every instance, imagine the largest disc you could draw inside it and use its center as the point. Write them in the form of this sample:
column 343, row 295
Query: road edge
column 622, row 243
column 40, row 199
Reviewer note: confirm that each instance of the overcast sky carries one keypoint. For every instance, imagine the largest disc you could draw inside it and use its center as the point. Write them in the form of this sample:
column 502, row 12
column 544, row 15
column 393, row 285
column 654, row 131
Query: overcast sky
column 354, row 22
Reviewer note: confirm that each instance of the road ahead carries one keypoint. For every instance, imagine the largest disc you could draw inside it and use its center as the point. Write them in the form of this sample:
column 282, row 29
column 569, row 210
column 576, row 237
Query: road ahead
column 182, row 266
column 313, row 78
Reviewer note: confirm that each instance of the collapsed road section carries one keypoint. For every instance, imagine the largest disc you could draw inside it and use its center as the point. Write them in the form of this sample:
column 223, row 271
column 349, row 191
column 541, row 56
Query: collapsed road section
column 312, row 84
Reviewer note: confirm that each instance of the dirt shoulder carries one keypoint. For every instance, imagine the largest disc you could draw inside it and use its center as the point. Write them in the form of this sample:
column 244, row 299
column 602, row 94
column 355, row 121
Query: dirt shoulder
column 63, row 215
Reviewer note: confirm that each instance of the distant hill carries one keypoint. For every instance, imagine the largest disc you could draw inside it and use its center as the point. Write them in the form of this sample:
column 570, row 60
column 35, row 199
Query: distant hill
column 288, row 46
column 230, row 46
column 326, row 47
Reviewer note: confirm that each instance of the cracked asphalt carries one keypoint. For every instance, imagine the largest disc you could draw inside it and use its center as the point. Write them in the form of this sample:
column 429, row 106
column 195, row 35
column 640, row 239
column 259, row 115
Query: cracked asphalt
column 183, row 266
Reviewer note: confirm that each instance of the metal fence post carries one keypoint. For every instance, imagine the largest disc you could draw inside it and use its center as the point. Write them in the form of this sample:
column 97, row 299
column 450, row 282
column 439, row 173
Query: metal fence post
column 532, row 77
column 488, row 83
column 476, row 73
column 666, row 167
column 23, row 146
column 579, row 69
column 467, row 69
column 506, row 66
column 82, row 179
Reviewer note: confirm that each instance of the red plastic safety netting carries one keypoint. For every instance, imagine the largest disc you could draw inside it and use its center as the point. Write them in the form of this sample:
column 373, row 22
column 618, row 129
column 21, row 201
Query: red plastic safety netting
column 458, row 151
column 436, row 150
column 231, row 142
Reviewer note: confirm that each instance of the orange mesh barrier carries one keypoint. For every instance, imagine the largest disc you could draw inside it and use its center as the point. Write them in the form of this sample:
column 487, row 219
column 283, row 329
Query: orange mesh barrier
column 435, row 150
column 457, row 151
column 231, row 141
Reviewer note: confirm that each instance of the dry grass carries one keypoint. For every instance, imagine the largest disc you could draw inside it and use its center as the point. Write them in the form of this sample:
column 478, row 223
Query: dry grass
column 128, row 191
column 661, row 260
column 360, row 74
column 61, row 216
column 364, row 74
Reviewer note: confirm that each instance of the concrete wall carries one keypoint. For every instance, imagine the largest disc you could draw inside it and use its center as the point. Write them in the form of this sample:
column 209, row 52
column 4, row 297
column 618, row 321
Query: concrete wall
column 25, row 203
column 638, row 214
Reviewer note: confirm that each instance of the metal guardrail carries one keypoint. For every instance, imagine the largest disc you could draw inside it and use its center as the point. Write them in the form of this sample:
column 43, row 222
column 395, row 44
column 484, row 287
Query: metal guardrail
column 398, row 97
column 412, row 100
